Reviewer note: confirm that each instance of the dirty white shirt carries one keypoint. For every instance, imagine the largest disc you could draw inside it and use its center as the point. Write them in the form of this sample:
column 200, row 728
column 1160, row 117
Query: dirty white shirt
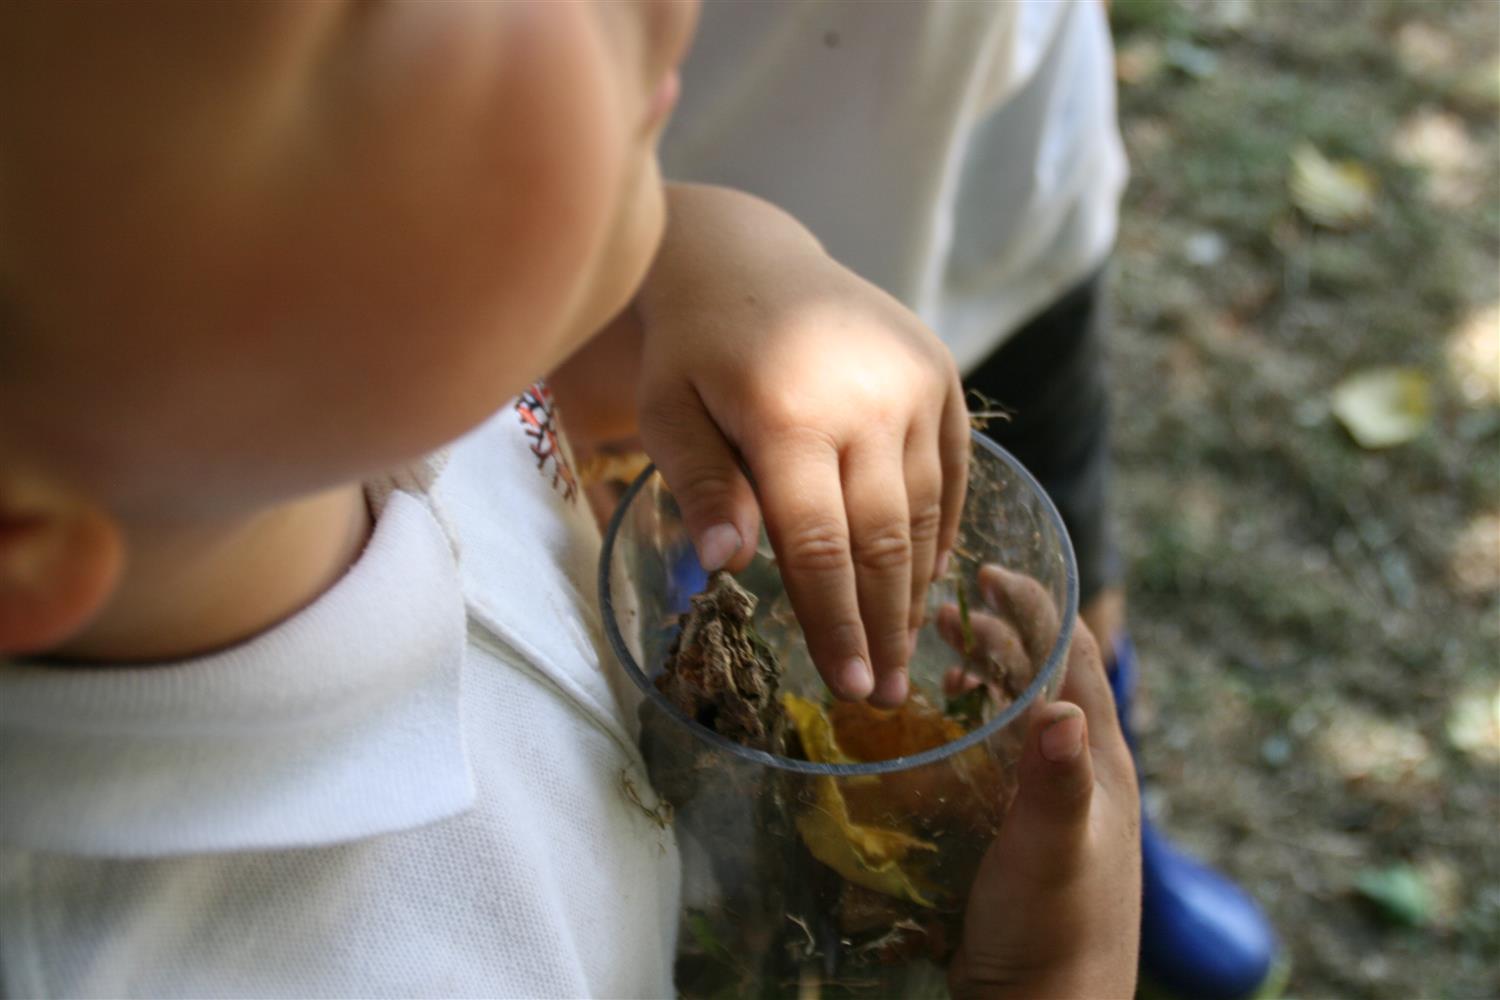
column 963, row 155
column 420, row 785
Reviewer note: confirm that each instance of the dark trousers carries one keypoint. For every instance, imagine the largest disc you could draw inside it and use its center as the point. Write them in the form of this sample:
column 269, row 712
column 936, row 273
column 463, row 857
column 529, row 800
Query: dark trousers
column 1049, row 377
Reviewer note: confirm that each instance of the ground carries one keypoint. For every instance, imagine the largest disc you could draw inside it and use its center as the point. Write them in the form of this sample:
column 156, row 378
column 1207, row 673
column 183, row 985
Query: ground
column 1319, row 622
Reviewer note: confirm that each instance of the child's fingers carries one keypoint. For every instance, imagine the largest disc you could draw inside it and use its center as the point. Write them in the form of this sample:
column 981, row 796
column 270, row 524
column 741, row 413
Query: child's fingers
column 958, row 681
column 992, row 640
column 1020, row 912
column 953, row 452
column 881, row 548
column 924, row 499
column 1025, row 603
column 1086, row 685
column 1056, row 787
column 1059, row 889
column 802, row 498
column 717, row 503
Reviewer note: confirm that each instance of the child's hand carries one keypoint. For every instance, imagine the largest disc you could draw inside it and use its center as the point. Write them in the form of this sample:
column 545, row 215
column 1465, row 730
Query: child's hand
column 1055, row 910
column 767, row 363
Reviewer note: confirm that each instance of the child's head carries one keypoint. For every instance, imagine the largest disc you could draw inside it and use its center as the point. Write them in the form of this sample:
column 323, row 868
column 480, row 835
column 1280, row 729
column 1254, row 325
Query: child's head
column 253, row 250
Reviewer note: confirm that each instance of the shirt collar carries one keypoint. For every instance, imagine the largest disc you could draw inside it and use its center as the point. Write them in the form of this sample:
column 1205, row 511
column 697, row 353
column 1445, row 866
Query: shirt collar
column 340, row 723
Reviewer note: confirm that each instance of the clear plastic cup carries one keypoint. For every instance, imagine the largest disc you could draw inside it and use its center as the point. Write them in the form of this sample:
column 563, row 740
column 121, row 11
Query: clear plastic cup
column 805, row 878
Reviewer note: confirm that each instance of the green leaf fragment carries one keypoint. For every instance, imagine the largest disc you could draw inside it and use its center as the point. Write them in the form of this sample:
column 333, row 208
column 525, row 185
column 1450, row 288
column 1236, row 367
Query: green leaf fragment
column 703, row 935
column 964, row 627
column 969, row 706
column 1398, row 893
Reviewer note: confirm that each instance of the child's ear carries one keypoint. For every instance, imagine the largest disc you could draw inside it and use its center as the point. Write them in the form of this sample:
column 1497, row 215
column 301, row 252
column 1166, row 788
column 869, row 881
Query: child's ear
column 59, row 562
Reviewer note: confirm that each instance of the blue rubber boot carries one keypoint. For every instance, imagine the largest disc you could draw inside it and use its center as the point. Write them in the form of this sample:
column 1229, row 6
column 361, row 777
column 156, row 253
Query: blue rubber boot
column 1202, row 936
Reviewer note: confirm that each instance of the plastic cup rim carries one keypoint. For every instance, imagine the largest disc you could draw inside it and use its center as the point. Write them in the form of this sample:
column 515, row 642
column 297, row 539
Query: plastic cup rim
column 1039, row 683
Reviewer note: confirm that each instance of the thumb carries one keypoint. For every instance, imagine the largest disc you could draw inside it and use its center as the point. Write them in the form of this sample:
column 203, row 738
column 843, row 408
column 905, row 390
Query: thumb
column 703, row 471
column 1046, row 829
column 1018, row 923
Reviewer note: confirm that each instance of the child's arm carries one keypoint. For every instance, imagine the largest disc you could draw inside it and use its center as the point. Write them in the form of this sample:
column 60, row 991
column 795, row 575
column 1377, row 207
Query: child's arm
column 760, row 354
column 1055, row 910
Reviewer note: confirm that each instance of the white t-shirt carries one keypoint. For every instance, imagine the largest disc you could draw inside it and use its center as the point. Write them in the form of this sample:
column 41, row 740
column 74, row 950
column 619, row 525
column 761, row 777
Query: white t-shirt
column 963, row 156
column 425, row 783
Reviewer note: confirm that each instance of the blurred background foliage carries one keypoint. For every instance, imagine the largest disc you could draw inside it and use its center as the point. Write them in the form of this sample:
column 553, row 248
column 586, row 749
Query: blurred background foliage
column 1307, row 369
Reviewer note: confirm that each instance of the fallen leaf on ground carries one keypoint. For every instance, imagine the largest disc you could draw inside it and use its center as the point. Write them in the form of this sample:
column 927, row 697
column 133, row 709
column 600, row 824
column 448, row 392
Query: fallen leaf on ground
column 1480, row 85
column 1439, row 143
column 1424, row 51
column 1368, row 749
column 1138, row 62
column 1338, row 194
column 1474, row 724
column 1474, row 355
column 1398, row 894
column 1193, row 60
column 1382, row 407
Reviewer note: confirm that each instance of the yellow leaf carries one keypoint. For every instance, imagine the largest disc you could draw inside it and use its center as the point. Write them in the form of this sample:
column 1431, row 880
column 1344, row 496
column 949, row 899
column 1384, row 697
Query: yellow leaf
column 1382, row 407
column 865, row 855
column 1336, row 194
column 815, row 731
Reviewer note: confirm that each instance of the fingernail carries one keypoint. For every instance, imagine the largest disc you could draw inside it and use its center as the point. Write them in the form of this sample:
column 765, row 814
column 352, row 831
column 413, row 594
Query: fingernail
column 855, row 679
column 717, row 545
column 1062, row 740
column 891, row 690
column 941, row 569
column 911, row 644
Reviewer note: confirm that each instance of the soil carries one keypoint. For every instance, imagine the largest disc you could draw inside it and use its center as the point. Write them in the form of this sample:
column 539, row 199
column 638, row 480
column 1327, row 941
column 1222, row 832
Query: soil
column 721, row 674
column 1318, row 624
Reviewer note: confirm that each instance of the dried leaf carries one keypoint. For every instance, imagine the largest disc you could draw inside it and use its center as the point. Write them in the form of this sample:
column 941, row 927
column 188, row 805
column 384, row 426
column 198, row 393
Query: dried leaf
column 1440, row 144
column 967, row 791
column 1480, row 85
column 815, row 730
column 865, row 855
column 1138, row 62
column 1474, row 562
column 1474, row 724
column 1474, row 356
column 1336, row 194
column 869, row 733
column 1382, row 407
column 1373, row 751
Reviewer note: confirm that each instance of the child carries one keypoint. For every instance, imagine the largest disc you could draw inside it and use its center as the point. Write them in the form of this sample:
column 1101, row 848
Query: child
column 296, row 723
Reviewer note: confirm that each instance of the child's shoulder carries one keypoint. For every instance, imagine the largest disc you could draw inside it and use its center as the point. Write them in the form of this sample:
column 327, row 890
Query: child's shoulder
column 529, row 555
